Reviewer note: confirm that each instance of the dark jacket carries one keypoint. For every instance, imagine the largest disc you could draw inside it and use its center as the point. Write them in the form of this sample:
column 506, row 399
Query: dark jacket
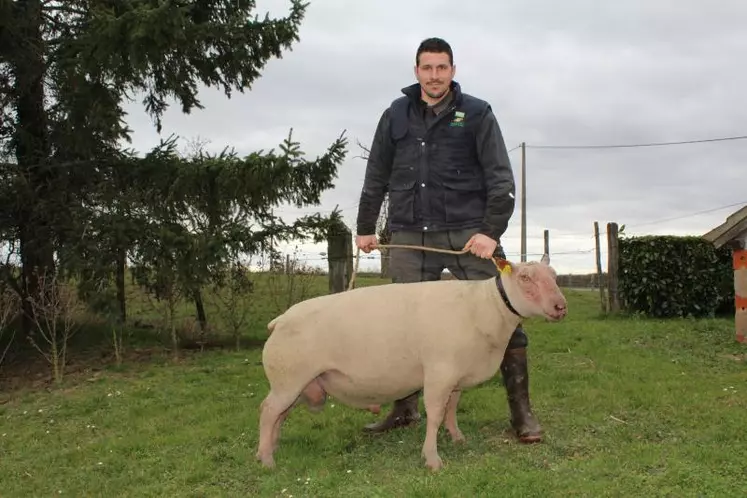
column 453, row 173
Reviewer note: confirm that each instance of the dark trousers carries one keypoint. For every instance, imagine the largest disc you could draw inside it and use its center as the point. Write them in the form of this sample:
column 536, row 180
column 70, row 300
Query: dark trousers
column 408, row 265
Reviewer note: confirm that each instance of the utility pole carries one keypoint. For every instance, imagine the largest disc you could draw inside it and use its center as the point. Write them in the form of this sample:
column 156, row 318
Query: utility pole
column 523, row 202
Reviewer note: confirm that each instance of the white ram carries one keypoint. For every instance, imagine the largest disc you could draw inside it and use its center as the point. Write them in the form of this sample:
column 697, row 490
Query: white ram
column 373, row 345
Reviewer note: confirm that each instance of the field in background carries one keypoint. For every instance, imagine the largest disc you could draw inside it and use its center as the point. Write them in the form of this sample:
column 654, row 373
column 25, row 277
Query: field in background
column 147, row 335
column 632, row 407
column 148, row 332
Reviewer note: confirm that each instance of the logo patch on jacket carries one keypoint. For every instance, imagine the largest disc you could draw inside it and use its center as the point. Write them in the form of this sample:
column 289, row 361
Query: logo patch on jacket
column 458, row 119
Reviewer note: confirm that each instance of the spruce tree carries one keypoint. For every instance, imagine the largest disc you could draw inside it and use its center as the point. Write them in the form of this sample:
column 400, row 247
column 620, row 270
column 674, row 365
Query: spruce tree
column 70, row 193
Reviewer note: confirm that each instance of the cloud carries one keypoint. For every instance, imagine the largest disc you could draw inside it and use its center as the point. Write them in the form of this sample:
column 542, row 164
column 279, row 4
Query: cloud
column 576, row 72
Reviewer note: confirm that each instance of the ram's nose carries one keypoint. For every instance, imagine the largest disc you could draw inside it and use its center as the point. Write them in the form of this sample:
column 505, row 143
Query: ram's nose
column 560, row 309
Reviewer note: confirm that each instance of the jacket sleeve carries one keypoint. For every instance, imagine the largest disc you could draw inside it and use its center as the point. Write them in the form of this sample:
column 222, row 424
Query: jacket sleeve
column 499, row 177
column 376, row 178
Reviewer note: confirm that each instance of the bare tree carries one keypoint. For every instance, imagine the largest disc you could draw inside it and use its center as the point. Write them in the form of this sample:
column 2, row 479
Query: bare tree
column 54, row 312
column 9, row 308
column 232, row 296
column 383, row 231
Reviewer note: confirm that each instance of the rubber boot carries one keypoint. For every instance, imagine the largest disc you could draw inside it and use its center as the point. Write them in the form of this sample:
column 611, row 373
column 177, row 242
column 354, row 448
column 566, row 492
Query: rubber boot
column 404, row 412
column 516, row 381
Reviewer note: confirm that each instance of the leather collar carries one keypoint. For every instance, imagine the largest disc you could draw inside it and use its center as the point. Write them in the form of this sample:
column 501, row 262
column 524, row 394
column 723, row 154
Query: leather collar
column 504, row 296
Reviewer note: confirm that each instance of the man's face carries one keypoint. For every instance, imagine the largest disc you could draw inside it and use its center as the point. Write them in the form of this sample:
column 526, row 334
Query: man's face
column 434, row 73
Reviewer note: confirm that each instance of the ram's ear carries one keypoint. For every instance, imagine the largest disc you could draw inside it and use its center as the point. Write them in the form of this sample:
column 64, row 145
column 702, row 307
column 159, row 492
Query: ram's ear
column 545, row 259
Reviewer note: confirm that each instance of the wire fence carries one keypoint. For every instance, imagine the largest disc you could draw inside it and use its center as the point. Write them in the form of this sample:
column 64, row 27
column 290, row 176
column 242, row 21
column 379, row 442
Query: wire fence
column 575, row 249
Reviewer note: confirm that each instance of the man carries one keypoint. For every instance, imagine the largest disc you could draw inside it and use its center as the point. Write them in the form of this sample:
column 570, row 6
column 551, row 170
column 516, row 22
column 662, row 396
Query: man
column 440, row 155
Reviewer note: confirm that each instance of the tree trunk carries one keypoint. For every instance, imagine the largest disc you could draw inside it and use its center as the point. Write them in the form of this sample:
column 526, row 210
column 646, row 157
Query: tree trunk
column 200, row 307
column 32, row 151
column 121, row 298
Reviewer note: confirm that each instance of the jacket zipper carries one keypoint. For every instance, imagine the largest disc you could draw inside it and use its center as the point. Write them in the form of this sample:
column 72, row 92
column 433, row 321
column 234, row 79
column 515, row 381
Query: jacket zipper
column 423, row 162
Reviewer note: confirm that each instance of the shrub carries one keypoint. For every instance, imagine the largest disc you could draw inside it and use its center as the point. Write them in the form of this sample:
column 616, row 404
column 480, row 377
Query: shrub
column 675, row 276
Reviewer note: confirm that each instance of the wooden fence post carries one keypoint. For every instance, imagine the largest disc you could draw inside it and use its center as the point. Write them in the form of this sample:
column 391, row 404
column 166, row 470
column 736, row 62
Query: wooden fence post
column 547, row 242
column 612, row 267
column 339, row 257
column 599, row 267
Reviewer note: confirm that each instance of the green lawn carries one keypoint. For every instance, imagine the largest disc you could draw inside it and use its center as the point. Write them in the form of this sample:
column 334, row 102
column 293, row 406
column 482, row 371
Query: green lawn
column 631, row 407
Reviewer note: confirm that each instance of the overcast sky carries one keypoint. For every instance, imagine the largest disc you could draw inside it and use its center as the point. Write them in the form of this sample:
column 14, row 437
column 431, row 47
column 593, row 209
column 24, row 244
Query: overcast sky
column 556, row 73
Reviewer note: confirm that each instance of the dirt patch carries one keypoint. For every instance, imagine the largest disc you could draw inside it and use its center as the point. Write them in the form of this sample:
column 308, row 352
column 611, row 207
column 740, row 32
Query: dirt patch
column 34, row 373
column 29, row 371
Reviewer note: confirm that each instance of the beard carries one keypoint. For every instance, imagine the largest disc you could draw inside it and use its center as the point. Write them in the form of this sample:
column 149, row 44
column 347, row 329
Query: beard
column 435, row 94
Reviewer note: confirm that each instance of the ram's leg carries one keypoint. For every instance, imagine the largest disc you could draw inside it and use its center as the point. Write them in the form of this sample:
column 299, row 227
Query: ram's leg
column 435, row 396
column 450, row 420
column 274, row 410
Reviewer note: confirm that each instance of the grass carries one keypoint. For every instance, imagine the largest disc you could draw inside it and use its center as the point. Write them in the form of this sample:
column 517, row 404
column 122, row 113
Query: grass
column 631, row 407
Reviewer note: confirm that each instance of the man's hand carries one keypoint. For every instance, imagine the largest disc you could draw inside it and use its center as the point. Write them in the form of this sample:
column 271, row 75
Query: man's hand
column 481, row 246
column 366, row 243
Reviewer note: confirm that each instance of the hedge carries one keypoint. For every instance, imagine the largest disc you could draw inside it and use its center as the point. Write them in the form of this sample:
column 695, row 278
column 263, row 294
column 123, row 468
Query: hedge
column 675, row 276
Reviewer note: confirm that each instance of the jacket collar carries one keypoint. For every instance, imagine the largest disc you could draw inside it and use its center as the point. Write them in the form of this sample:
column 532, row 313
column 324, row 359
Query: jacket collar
column 413, row 92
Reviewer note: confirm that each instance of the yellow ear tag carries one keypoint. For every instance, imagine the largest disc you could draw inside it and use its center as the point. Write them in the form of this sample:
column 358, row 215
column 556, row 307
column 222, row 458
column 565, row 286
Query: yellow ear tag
column 503, row 266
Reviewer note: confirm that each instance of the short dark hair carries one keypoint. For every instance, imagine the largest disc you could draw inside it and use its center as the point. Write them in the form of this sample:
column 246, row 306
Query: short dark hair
column 434, row 45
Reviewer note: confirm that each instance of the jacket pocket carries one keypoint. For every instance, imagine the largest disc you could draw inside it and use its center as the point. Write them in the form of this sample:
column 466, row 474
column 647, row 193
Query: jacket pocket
column 464, row 199
column 402, row 202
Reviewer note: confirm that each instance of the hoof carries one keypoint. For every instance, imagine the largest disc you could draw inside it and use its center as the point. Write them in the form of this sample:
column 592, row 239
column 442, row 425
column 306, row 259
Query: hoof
column 434, row 464
column 459, row 439
column 267, row 460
